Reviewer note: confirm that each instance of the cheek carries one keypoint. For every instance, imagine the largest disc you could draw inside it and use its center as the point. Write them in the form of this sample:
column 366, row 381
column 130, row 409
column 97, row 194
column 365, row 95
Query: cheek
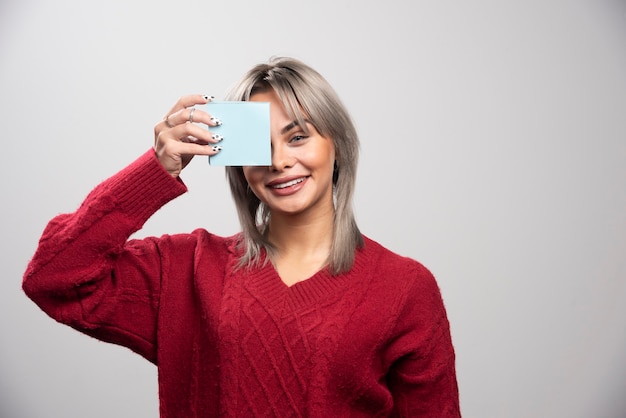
column 321, row 156
column 253, row 176
column 328, row 157
column 248, row 173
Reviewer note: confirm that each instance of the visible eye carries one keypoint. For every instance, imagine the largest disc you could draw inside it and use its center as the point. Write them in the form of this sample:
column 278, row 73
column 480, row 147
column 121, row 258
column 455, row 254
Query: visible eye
column 298, row 138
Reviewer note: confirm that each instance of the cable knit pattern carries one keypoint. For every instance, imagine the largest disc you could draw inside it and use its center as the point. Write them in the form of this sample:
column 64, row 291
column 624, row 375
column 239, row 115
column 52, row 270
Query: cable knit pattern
column 373, row 342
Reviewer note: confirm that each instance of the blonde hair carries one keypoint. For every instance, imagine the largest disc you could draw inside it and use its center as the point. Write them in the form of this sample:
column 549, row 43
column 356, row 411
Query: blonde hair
column 305, row 94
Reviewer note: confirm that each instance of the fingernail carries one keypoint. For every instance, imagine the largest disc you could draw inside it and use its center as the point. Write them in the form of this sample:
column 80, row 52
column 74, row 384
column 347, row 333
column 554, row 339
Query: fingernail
column 216, row 148
column 216, row 121
column 217, row 137
column 209, row 98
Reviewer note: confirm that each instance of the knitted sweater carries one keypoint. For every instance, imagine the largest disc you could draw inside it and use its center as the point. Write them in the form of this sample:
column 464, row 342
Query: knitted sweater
column 373, row 342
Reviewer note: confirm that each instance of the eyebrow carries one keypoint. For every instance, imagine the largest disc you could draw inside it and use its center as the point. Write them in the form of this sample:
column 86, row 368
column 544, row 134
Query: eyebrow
column 292, row 125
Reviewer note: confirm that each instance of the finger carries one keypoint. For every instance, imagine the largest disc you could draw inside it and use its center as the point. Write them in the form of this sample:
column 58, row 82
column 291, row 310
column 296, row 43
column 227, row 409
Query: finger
column 197, row 116
column 190, row 148
column 191, row 131
column 192, row 114
column 188, row 101
column 175, row 155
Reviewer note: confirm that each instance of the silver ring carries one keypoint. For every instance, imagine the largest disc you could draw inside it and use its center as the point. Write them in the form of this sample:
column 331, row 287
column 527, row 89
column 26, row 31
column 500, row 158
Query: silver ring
column 193, row 109
column 167, row 121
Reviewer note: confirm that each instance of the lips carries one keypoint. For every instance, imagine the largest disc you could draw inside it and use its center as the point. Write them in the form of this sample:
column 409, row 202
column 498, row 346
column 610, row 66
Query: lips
column 287, row 186
column 286, row 182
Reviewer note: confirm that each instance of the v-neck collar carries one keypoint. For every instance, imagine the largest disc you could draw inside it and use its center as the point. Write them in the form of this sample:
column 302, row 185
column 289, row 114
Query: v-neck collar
column 265, row 284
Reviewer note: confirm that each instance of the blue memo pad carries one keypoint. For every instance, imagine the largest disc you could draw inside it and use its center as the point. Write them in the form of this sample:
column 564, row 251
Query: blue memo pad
column 246, row 132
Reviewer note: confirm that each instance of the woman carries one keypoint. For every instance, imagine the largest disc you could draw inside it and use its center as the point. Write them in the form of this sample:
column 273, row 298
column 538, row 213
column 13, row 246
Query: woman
column 299, row 315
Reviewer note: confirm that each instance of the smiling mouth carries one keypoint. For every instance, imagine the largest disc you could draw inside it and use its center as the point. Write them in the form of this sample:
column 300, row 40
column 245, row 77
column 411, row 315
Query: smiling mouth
column 288, row 184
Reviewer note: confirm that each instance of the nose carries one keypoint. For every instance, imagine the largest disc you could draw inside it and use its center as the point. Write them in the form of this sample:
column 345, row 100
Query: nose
column 281, row 157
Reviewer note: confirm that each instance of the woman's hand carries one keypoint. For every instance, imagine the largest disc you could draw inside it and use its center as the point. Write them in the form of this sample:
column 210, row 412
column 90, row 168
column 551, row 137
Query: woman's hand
column 177, row 138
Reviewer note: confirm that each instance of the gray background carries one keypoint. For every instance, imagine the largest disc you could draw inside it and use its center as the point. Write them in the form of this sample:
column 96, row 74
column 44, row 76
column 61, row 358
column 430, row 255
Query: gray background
column 493, row 151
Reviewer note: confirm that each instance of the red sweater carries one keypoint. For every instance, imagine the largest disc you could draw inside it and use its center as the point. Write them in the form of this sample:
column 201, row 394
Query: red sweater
column 374, row 342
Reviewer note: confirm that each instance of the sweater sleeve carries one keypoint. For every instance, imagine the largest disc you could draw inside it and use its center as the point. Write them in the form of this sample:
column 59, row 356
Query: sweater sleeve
column 422, row 378
column 86, row 274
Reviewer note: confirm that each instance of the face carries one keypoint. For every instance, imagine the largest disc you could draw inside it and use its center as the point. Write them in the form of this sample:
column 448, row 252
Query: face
column 299, row 181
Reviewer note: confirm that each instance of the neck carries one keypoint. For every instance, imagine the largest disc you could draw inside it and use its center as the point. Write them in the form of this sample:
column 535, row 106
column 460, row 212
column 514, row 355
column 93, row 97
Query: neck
column 298, row 236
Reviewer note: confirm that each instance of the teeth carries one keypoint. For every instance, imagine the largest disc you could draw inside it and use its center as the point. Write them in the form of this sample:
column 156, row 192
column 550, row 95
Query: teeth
column 289, row 183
